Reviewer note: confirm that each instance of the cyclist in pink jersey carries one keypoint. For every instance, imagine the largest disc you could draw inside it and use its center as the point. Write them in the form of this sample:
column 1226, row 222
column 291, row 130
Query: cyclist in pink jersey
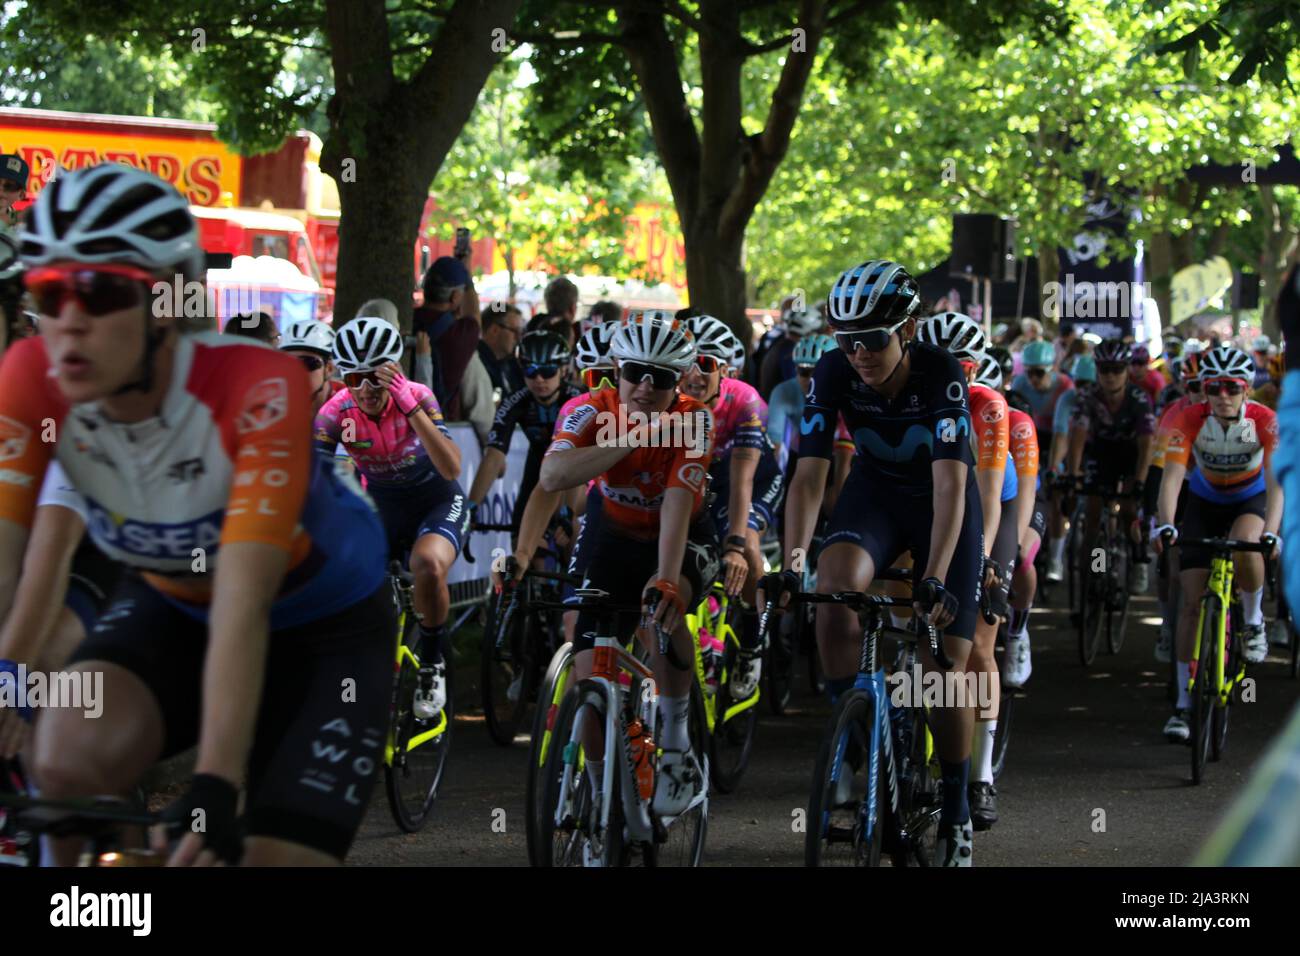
column 393, row 430
column 744, row 477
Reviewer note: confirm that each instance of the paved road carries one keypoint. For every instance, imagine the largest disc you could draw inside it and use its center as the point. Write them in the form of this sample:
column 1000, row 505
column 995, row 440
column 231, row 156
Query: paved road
column 1086, row 750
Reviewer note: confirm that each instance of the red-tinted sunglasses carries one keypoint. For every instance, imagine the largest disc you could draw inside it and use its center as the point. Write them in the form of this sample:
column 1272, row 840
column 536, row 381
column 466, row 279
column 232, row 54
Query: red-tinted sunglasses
column 99, row 289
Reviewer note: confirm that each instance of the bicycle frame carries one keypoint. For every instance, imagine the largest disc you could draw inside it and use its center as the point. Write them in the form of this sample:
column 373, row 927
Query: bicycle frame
column 1222, row 574
column 720, row 626
column 403, row 593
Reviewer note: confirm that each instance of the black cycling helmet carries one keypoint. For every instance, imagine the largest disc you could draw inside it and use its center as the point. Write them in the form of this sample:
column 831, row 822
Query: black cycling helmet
column 544, row 348
column 1113, row 350
column 871, row 295
column 1005, row 362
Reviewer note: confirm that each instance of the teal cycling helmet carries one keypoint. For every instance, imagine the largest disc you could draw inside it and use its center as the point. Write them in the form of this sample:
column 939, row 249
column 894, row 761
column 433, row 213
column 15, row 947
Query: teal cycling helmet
column 1037, row 354
column 810, row 348
column 1084, row 369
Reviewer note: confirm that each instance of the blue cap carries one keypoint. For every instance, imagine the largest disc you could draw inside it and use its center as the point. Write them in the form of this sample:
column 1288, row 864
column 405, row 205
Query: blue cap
column 14, row 168
column 446, row 273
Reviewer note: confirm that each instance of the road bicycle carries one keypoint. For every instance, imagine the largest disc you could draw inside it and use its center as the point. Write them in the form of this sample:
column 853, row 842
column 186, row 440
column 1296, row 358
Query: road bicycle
column 1099, row 570
column 415, row 752
column 875, row 786
column 614, row 823
column 796, row 636
column 1218, row 662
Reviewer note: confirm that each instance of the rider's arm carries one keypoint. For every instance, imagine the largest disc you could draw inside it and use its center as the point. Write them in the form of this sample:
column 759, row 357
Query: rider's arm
column 1078, row 438
column 442, row 451
column 990, row 487
column 1171, row 485
column 842, row 463
column 1146, row 450
column 490, row 469
column 532, row 526
column 569, row 467
column 13, row 542
column 675, row 523
column 38, row 600
column 744, row 463
column 949, row 511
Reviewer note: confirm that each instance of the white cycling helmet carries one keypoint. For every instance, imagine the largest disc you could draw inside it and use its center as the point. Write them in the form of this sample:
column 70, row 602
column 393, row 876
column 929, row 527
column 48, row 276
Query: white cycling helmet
column 1226, row 362
column 309, row 335
column 874, row 294
column 988, row 371
column 365, row 344
column 712, row 337
column 655, row 338
column 112, row 213
column 593, row 347
column 959, row 334
column 803, row 322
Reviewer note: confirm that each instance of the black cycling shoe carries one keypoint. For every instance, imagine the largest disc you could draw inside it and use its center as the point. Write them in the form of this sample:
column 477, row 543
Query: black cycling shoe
column 983, row 799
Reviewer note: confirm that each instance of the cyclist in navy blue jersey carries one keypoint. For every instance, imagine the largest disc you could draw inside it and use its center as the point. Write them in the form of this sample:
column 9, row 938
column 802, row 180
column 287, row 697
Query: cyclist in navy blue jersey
column 911, row 489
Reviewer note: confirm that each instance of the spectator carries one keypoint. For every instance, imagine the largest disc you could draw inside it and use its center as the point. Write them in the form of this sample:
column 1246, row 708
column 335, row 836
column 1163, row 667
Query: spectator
column 496, row 351
column 11, row 292
column 1067, row 337
column 564, row 329
column 254, row 325
column 538, row 322
column 603, row 311
column 450, row 319
column 1031, row 330
column 383, row 309
column 562, row 298
column 13, row 188
column 478, row 398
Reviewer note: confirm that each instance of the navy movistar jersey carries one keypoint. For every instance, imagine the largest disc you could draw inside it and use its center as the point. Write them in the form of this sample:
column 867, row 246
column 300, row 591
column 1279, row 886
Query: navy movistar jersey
column 898, row 440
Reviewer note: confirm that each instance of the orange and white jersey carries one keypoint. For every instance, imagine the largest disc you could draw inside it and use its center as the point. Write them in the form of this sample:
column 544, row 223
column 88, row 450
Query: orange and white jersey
column 1229, row 460
column 990, row 428
column 228, row 458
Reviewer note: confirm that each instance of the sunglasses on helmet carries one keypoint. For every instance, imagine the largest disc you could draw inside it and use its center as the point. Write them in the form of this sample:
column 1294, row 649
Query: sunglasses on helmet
column 1224, row 386
column 541, row 371
column 873, row 340
column 638, row 372
column 99, row 289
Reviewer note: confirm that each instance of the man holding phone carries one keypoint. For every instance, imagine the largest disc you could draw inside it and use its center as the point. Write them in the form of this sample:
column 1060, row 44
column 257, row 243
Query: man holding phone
column 450, row 319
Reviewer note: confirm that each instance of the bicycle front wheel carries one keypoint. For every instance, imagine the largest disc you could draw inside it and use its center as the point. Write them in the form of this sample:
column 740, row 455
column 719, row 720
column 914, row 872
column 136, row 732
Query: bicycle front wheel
column 507, row 672
column 838, row 831
column 413, row 770
column 732, row 740
column 1006, row 706
column 550, row 693
column 1203, row 687
column 1092, row 605
column 686, row 833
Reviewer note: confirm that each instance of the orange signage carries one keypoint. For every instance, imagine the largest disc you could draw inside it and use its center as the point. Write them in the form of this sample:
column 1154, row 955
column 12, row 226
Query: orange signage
column 201, row 169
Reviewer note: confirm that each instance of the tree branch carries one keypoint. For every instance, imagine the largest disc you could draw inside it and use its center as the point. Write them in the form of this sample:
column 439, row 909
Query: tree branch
column 861, row 6
column 551, row 41
column 768, row 148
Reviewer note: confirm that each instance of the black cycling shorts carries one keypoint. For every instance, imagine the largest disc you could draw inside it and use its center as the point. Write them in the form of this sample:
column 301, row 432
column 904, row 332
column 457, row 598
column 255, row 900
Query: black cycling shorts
column 93, row 578
column 887, row 525
column 410, row 514
column 1038, row 520
column 622, row 566
column 1007, row 542
column 1106, row 463
column 1211, row 519
column 322, row 722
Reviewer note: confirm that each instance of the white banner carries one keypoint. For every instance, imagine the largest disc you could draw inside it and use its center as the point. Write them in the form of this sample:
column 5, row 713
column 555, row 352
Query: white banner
column 498, row 504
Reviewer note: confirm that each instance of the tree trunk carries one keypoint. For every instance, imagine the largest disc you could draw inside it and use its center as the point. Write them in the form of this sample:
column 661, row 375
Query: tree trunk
column 387, row 139
column 1280, row 251
column 1049, row 270
column 1160, row 275
column 715, row 274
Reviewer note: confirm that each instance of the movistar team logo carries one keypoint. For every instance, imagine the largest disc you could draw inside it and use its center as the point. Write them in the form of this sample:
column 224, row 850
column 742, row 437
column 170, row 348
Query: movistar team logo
column 815, row 423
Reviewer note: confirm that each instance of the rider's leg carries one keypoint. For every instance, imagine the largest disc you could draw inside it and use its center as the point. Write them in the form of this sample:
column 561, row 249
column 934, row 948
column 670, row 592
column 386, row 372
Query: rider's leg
column 840, row 567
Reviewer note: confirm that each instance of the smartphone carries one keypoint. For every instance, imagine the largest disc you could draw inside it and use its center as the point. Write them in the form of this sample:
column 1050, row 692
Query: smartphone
column 462, row 243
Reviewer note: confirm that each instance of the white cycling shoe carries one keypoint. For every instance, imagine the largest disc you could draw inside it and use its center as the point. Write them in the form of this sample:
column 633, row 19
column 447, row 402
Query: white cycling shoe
column 1018, row 663
column 430, row 692
column 955, row 845
column 1055, row 570
column 1165, row 644
column 1177, row 729
column 745, row 677
column 1255, row 643
column 1139, row 577
column 680, row 780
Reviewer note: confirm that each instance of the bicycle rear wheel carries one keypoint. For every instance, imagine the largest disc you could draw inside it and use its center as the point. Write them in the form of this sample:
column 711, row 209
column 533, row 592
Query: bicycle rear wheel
column 778, row 665
column 836, row 832
column 550, row 692
column 1092, row 614
column 1117, row 607
column 419, row 748
column 686, row 832
column 1203, row 691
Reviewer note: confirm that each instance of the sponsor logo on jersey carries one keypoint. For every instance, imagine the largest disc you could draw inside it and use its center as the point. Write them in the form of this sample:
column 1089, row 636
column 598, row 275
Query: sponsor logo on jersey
column 1022, row 431
column 266, row 403
column 10, row 477
column 186, row 470
column 148, row 539
column 992, row 413
column 954, row 392
column 578, row 419
column 14, row 436
column 692, row 476
column 812, row 423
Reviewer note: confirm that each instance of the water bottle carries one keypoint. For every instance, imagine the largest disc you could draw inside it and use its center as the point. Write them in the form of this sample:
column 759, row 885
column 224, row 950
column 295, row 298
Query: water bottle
column 642, row 750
